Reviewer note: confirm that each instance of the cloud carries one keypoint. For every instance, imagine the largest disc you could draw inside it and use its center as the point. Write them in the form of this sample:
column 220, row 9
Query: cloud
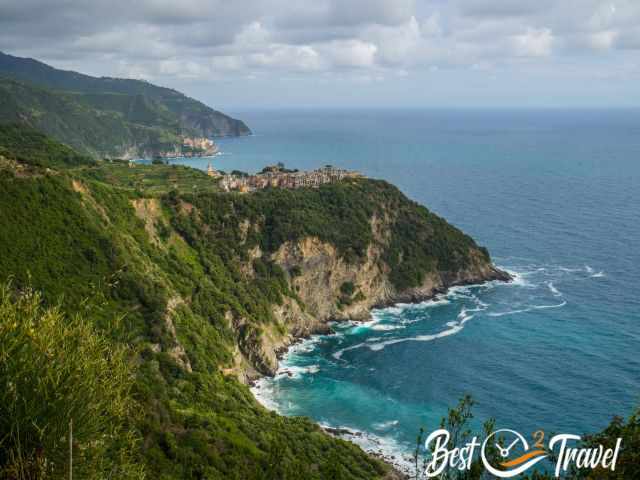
column 503, row 8
column 534, row 43
column 215, row 40
column 350, row 53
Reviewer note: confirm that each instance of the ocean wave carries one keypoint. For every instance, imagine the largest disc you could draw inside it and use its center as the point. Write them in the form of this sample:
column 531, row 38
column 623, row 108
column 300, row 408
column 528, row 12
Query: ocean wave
column 383, row 446
column 570, row 270
column 554, row 290
column 527, row 309
column 419, row 338
column 400, row 308
column 463, row 316
column 263, row 392
column 510, row 312
column 338, row 355
column 598, row 275
column 385, row 425
column 295, row 371
column 384, row 327
column 542, row 307
column 520, row 279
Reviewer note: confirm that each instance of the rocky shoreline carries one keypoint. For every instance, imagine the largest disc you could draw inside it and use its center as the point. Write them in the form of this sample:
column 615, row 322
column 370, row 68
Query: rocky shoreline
column 398, row 467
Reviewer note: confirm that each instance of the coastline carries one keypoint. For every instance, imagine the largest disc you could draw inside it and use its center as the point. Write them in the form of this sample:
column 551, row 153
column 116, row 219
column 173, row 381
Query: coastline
column 379, row 447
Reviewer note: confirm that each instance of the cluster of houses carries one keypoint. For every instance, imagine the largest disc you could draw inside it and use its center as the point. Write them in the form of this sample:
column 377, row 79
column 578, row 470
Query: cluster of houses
column 277, row 176
column 198, row 146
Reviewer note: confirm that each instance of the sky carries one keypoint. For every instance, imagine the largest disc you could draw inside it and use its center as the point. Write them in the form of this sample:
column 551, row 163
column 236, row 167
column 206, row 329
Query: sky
column 246, row 54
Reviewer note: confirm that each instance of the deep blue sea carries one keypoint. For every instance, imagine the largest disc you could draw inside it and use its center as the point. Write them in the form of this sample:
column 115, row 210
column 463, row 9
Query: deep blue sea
column 554, row 195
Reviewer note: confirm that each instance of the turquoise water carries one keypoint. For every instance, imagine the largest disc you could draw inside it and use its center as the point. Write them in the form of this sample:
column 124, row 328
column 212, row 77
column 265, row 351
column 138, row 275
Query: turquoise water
column 554, row 195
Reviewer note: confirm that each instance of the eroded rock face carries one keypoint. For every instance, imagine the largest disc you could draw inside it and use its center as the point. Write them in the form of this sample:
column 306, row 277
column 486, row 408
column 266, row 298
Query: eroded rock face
column 317, row 274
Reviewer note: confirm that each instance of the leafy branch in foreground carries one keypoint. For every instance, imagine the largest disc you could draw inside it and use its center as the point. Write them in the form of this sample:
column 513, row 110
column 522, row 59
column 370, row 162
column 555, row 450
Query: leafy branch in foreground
column 55, row 369
column 457, row 424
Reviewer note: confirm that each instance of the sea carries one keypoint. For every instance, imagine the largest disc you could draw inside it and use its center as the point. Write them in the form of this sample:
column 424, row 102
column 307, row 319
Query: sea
column 555, row 197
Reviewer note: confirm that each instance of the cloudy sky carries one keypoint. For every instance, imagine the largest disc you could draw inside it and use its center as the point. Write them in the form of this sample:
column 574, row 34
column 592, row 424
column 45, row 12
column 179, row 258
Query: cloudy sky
column 266, row 53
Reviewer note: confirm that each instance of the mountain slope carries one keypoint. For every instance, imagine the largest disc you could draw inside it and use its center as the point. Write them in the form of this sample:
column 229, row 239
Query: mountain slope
column 98, row 133
column 210, row 286
column 190, row 113
column 105, row 117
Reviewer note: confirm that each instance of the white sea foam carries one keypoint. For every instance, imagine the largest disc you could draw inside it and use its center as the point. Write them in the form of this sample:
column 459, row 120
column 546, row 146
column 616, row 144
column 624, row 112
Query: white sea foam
column 295, row 371
column 588, row 269
column 463, row 316
column 528, row 309
column 385, row 446
column 338, row 355
column 570, row 270
column 554, row 290
column 419, row 338
column 518, row 278
column 263, row 392
column 510, row 312
column 385, row 425
column 598, row 275
column 399, row 308
column 384, row 327
column 542, row 307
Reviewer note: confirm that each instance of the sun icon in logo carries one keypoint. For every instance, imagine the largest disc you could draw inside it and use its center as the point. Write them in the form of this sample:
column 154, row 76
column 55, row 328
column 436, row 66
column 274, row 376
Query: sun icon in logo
column 515, row 454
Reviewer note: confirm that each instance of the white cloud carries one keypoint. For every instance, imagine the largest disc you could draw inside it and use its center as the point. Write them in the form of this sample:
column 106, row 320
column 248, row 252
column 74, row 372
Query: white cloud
column 350, row 53
column 297, row 58
column 396, row 45
column 534, row 43
column 378, row 38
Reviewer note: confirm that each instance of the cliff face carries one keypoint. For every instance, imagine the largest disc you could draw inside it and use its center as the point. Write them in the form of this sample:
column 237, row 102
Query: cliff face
column 318, row 275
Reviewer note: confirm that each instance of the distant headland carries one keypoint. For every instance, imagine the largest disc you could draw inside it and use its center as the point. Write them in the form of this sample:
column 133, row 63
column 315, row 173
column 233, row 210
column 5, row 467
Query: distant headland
column 109, row 117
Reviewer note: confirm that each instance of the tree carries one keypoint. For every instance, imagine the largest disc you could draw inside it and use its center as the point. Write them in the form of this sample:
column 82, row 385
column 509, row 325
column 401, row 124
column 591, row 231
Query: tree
column 457, row 424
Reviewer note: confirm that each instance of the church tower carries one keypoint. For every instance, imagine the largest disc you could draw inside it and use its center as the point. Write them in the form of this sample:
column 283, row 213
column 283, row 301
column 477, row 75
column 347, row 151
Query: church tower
column 211, row 171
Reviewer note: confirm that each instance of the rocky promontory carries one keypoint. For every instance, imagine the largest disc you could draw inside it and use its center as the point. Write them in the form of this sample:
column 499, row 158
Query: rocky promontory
column 338, row 251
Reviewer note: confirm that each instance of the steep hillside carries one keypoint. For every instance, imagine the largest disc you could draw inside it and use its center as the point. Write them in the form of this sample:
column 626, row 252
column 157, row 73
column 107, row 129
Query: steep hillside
column 93, row 132
column 191, row 114
column 339, row 250
column 106, row 117
column 210, row 286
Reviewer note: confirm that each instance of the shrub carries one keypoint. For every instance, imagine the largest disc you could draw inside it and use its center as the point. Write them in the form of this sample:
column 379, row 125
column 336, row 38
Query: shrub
column 56, row 369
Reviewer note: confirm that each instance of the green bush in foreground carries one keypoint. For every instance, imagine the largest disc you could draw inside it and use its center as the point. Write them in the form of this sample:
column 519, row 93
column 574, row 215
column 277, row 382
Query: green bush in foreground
column 54, row 369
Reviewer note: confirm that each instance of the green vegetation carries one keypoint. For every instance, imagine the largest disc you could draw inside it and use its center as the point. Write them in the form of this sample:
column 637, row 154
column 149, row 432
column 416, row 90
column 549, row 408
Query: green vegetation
column 340, row 214
column 152, row 246
column 347, row 288
column 105, row 116
column 158, row 178
column 55, row 370
column 93, row 132
column 101, row 252
column 29, row 146
column 457, row 423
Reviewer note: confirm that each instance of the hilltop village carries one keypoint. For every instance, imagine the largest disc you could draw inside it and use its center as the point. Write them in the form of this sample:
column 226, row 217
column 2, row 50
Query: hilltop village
column 277, row 176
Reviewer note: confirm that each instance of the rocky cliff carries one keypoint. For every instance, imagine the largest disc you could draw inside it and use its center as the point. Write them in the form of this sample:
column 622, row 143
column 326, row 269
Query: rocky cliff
column 320, row 276
column 328, row 285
